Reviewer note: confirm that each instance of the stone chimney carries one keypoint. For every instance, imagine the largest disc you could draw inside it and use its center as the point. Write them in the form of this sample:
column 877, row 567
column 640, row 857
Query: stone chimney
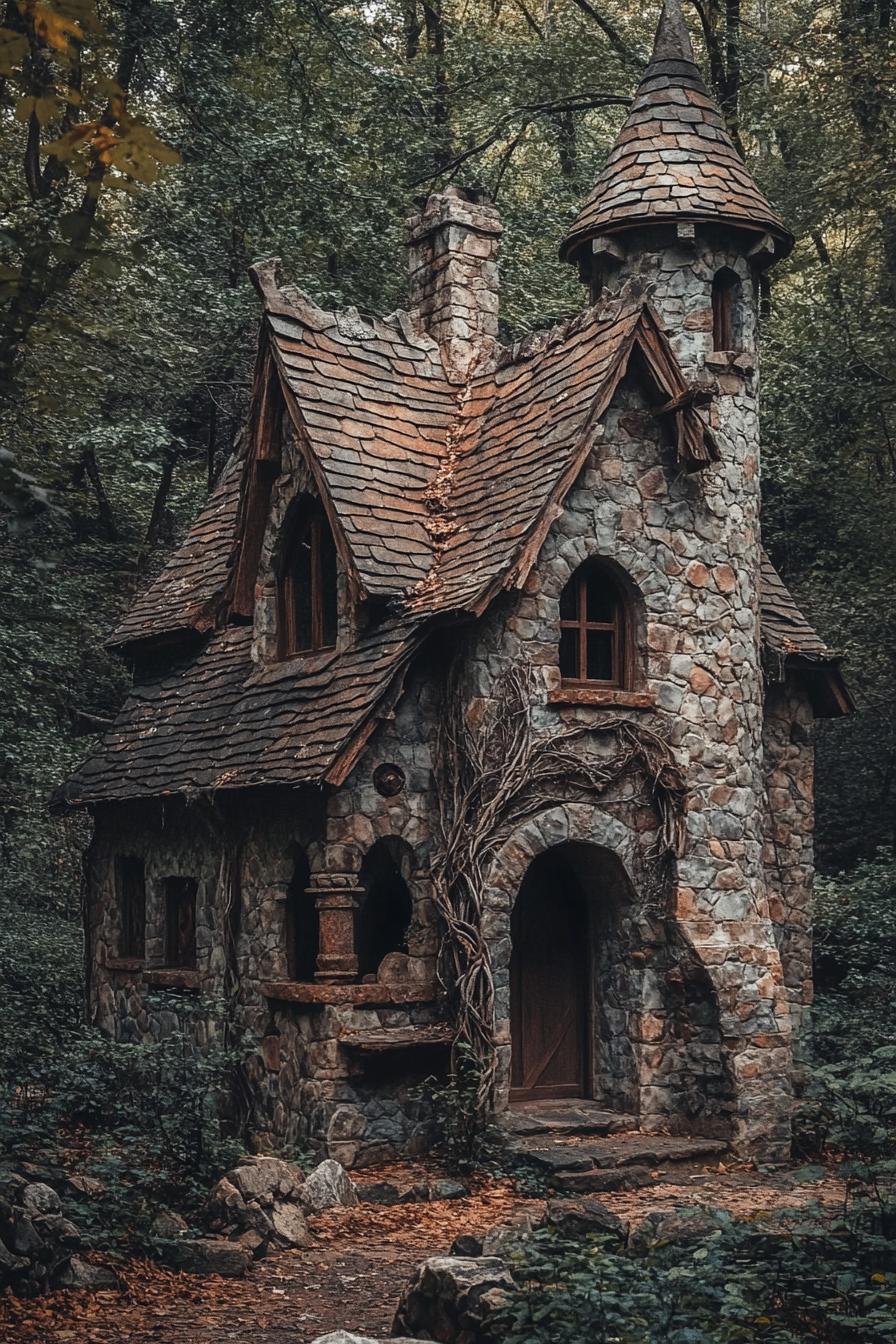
column 453, row 245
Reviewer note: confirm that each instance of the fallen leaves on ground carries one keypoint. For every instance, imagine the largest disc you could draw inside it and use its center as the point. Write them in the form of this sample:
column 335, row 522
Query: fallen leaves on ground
column 353, row 1277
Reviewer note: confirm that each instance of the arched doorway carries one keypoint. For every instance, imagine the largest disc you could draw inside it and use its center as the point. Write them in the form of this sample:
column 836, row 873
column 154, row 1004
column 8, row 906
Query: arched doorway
column 550, row 992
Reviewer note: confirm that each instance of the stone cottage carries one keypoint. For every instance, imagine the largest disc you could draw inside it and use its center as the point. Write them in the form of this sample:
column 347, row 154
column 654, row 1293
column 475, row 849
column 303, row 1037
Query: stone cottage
column 435, row 563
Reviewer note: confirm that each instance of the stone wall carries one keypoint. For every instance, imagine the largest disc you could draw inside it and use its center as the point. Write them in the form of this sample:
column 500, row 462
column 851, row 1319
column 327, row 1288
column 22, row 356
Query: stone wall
column 692, row 1007
column 789, row 758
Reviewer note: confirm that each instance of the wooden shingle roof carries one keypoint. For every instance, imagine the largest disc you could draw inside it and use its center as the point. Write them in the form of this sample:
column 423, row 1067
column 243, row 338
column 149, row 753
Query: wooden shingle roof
column 467, row 497
column 673, row 159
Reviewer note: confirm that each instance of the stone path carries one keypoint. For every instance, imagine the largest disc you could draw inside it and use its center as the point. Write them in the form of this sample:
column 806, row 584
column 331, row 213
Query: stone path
column 360, row 1262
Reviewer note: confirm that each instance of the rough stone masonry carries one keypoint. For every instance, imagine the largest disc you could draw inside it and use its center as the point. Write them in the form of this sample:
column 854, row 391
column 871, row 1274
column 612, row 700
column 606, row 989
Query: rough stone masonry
column 415, row 511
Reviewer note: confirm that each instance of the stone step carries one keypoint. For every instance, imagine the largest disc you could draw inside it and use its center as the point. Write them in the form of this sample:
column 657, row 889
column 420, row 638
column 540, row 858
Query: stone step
column 569, row 1154
column 551, row 1118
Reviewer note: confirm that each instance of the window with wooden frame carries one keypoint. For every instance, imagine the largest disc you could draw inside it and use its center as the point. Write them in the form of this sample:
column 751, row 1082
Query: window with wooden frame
column 130, row 889
column 594, row 630
column 726, row 291
column 307, row 590
column 180, row 922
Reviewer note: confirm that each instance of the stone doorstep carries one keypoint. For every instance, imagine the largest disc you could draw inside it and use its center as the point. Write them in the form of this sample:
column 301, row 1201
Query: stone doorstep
column 552, row 1118
column 563, row 1154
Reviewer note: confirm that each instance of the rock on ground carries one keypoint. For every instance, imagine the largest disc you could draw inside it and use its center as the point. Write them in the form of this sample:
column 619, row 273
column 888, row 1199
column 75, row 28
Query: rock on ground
column 328, row 1185
column 37, row 1241
column 343, row 1337
column 584, row 1217
column 451, row 1298
column 211, row 1255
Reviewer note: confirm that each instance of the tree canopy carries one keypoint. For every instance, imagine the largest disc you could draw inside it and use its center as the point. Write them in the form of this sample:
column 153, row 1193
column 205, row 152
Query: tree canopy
column 151, row 150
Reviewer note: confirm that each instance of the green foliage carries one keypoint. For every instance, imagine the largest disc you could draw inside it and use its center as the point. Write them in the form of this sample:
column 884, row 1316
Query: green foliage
column 808, row 1276
column 855, row 950
column 152, row 1123
column 452, row 1103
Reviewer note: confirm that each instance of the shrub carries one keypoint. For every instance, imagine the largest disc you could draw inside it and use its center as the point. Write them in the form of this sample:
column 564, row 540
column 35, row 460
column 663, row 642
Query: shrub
column 809, row 1277
column 148, row 1121
column 855, row 951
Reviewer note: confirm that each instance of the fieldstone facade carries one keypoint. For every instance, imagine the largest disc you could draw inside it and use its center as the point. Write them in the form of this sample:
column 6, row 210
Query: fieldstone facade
column 463, row 489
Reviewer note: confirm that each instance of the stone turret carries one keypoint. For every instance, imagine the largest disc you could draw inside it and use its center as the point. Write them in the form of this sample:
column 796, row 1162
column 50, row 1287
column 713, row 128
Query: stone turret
column 677, row 206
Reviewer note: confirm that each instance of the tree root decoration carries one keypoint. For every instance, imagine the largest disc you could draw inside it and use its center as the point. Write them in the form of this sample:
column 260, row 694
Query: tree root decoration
column 493, row 773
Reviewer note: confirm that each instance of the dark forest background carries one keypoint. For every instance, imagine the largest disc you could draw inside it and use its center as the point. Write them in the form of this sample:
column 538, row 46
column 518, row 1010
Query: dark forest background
column 151, row 149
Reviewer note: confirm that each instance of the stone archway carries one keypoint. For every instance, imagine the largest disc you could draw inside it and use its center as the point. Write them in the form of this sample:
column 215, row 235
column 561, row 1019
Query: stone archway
column 568, row 827
column 634, row 1024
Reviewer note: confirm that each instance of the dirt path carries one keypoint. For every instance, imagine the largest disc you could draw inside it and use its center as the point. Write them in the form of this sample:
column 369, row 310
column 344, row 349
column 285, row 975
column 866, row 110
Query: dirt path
column 353, row 1277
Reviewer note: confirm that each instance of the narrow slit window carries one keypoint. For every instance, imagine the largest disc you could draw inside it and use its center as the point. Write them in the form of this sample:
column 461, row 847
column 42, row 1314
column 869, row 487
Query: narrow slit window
column 593, row 630
column 180, row 922
column 308, row 584
column 726, row 289
column 130, row 883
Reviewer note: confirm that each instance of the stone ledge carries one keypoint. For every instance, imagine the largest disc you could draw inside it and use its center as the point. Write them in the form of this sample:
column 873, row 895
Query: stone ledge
column 124, row 963
column 322, row 995
column 376, row 1040
column 173, row 977
column 600, row 695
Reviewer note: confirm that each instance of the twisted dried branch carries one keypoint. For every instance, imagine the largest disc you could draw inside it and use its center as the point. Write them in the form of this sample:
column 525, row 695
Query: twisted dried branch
column 493, row 774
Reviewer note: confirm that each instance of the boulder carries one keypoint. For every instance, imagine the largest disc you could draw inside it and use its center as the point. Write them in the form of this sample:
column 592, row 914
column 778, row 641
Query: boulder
column 256, row 1177
column 503, row 1237
column 584, row 1217
column 81, row 1274
column 328, row 1186
column 466, row 1245
column 40, row 1198
column 210, row 1255
column 448, row 1190
column 682, row 1225
column 289, row 1226
column 451, row 1298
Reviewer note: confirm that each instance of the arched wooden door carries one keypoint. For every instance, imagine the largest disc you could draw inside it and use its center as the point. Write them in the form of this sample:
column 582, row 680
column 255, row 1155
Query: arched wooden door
column 549, row 1017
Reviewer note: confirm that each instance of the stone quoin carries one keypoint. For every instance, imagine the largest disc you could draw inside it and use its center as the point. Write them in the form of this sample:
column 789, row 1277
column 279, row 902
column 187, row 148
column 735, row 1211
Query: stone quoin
column 414, row 509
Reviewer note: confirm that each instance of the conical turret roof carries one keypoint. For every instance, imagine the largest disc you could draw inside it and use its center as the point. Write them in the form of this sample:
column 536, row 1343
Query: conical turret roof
column 673, row 158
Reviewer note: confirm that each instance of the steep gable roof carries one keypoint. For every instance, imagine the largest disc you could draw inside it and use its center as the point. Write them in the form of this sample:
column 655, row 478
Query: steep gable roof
column 468, row 501
column 372, row 401
column 673, row 159
column 185, row 596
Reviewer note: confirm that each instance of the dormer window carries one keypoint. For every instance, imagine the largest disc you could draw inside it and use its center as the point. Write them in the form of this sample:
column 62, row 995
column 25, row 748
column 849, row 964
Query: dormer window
column 726, row 315
column 307, row 589
column 593, row 630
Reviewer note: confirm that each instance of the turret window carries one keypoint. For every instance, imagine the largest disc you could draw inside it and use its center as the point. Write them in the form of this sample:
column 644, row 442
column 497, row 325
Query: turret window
column 593, row 630
column 726, row 310
column 307, row 586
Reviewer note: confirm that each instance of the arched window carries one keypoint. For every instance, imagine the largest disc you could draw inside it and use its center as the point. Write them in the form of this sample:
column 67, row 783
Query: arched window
column 594, row 630
column 307, row 586
column 300, row 925
column 385, row 913
column 726, row 315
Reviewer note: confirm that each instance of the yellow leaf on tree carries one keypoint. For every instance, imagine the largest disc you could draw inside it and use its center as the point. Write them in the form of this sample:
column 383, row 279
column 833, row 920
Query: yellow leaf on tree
column 54, row 28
